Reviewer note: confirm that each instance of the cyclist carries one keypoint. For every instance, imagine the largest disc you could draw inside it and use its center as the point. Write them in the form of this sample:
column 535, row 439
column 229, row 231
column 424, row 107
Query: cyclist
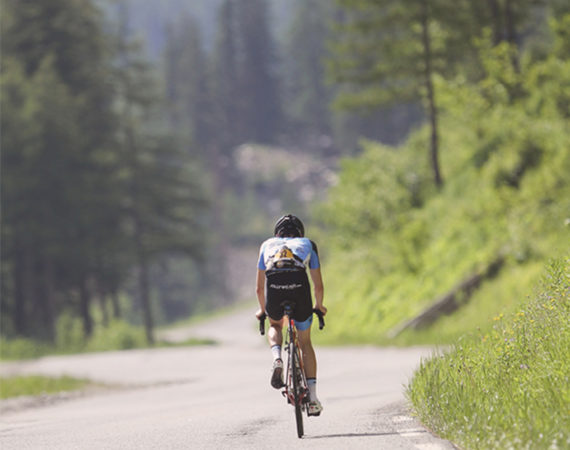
column 281, row 275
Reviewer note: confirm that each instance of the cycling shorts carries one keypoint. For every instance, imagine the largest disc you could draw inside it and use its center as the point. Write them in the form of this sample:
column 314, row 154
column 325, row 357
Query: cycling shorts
column 292, row 286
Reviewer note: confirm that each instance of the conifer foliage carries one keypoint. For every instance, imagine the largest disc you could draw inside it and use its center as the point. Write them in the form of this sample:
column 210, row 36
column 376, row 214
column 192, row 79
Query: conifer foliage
column 390, row 51
column 89, row 193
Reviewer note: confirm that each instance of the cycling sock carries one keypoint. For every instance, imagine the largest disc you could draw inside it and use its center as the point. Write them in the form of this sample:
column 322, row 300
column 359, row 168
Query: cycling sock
column 276, row 350
column 312, row 384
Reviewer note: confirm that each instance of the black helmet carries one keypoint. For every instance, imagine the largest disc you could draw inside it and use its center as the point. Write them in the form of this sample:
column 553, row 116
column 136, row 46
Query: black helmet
column 288, row 226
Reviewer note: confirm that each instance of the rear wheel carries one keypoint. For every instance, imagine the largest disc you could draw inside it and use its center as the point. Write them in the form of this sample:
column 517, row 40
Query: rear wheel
column 299, row 418
column 296, row 389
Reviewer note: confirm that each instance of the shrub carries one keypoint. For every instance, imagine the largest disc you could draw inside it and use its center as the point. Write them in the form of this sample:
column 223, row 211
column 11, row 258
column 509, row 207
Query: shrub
column 510, row 387
column 118, row 335
column 22, row 348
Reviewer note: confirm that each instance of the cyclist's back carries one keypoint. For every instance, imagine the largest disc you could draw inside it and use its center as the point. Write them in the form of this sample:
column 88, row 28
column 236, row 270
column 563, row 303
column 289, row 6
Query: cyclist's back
column 286, row 253
column 284, row 260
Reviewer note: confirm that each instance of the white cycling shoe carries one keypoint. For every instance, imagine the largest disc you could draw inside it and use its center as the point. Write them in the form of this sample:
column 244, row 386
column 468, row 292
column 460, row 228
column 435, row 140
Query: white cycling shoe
column 277, row 374
column 315, row 408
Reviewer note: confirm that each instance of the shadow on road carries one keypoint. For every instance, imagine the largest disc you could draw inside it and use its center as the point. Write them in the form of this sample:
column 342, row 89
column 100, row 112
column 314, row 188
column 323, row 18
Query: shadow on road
column 348, row 435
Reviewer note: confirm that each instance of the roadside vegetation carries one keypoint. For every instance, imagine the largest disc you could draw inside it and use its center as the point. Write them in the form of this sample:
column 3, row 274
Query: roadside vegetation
column 508, row 387
column 395, row 244
column 39, row 385
column 117, row 335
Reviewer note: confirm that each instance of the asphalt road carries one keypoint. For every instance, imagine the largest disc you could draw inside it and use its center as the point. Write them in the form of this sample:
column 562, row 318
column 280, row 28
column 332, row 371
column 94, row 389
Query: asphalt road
column 218, row 397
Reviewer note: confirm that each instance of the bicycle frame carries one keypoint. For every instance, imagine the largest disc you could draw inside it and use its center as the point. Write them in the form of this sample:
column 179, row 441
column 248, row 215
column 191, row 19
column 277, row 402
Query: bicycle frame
column 296, row 389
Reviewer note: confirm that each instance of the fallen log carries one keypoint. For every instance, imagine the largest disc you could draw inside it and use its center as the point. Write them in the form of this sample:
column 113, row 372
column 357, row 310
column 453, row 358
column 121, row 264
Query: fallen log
column 451, row 301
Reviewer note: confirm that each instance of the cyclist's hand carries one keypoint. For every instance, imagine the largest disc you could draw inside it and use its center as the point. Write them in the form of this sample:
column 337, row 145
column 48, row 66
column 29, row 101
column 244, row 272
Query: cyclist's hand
column 259, row 314
column 323, row 309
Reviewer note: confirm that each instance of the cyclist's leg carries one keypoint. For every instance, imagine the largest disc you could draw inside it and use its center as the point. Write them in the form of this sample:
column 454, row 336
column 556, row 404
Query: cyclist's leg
column 275, row 338
column 275, row 333
column 274, row 310
column 308, row 352
column 310, row 362
column 303, row 321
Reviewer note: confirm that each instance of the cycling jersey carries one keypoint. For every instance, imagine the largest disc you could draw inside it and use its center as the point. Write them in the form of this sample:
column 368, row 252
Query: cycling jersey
column 287, row 253
column 284, row 260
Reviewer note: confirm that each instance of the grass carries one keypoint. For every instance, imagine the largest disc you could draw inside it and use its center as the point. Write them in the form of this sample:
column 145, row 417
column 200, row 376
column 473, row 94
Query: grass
column 39, row 385
column 509, row 289
column 118, row 335
column 508, row 387
column 35, row 385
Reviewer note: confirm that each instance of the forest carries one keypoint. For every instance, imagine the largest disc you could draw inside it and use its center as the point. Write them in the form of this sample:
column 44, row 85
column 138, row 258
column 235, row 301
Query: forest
column 146, row 144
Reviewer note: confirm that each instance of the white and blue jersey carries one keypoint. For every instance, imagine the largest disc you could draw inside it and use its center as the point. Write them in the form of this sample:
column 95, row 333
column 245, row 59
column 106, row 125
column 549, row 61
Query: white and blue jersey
column 288, row 253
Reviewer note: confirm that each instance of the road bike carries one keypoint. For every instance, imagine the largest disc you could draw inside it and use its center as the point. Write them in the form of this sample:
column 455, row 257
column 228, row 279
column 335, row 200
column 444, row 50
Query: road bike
column 295, row 387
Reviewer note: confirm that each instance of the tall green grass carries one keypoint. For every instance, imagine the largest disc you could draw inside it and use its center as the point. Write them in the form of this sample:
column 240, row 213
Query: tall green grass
column 504, row 294
column 508, row 387
column 70, row 339
column 117, row 335
column 38, row 385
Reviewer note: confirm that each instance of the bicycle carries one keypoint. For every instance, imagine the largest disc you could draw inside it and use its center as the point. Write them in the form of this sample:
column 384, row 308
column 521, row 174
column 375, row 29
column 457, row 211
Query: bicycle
column 296, row 389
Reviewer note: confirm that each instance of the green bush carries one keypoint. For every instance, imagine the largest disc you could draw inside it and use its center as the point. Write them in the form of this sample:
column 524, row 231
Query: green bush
column 70, row 336
column 22, row 348
column 118, row 335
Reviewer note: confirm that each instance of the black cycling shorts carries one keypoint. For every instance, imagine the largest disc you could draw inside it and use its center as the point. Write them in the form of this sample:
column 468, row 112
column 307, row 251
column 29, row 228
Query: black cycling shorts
column 291, row 286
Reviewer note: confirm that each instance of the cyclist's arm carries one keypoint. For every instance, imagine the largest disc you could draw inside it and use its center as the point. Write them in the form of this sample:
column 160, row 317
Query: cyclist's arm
column 319, row 289
column 260, row 289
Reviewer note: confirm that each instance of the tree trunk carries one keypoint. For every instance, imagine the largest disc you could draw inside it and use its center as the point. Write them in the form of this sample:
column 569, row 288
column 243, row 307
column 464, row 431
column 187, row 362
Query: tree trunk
column 115, row 303
column 143, row 278
column 100, row 284
column 221, row 249
column 27, row 274
column 112, row 287
column 45, row 294
column 510, row 29
column 141, row 251
column 102, row 297
column 496, row 17
column 20, row 317
column 432, row 109
column 144, row 285
column 85, row 307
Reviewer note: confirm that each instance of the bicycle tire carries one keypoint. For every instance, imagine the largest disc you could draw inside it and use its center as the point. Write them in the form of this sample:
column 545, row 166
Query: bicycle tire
column 294, row 368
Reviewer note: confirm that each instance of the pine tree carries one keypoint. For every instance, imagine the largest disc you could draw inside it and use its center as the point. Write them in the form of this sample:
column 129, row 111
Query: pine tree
column 259, row 96
column 90, row 189
column 246, row 85
column 66, row 183
column 227, row 100
column 162, row 197
column 308, row 97
column 387, row 52
column 187, row 81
